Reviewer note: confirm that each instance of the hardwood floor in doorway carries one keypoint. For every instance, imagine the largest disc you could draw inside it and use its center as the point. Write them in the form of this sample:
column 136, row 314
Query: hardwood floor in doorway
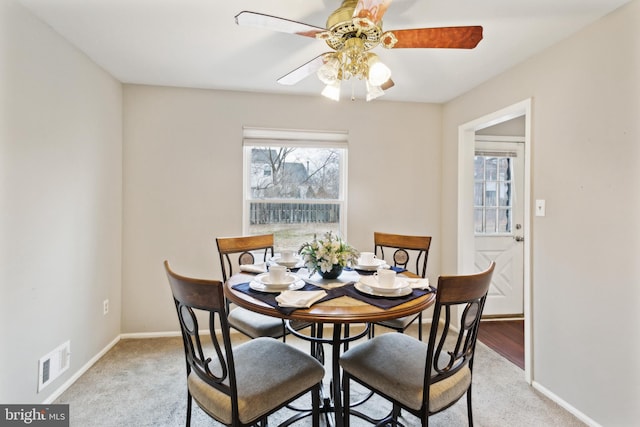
column 505, row 337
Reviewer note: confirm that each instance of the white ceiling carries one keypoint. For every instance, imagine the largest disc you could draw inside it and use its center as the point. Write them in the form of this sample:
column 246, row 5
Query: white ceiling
column 196, row 43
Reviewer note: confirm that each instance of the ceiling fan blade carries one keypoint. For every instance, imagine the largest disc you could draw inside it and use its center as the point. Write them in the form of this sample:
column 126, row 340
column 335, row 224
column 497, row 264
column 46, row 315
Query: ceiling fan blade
column 372, row 9
column 268, row 22
column 303, row 71
column 446, row 37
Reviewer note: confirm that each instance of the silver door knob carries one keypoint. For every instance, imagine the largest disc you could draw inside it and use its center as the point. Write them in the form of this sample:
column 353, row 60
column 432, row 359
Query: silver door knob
column 519, row 238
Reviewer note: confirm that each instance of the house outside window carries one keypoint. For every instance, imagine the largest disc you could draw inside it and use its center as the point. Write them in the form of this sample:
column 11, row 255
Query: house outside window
column 294, row 184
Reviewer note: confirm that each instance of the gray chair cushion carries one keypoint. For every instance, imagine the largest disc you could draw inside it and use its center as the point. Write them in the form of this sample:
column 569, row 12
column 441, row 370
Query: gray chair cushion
column 268, row 373
column 394, row 364
column 399, row 323
column 255, row 324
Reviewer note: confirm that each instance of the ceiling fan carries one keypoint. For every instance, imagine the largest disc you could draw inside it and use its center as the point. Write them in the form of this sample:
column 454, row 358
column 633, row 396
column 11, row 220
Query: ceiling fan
column 352, row 31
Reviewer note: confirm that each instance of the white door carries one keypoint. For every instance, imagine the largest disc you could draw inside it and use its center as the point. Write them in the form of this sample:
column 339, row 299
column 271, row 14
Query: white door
column 498, row 222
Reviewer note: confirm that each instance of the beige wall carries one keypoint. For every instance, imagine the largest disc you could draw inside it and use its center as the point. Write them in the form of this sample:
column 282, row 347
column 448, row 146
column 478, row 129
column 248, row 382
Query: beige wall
column 60, row 203
column 585, row 149
column 183, row 179
column 63, row 165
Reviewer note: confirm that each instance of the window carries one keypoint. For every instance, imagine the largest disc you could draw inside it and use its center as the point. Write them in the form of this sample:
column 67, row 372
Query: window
column 493, row 194
column 294, row 184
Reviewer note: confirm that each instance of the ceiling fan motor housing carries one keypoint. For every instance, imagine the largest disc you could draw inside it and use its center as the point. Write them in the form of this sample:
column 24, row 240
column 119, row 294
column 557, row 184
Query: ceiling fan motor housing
column 342, row 26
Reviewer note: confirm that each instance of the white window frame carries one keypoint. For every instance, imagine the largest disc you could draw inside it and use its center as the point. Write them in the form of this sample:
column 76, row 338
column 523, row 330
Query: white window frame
column 265, row 137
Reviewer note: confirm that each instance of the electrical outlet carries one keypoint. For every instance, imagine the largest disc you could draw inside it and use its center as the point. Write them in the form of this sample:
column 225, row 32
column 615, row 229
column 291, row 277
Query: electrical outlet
column 105, row 307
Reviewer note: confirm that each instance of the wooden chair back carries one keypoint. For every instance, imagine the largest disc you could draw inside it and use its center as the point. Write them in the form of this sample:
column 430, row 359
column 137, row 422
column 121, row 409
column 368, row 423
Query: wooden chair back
column 236, row 251
column 191, row 296
column 404, row 247
column 457, row 312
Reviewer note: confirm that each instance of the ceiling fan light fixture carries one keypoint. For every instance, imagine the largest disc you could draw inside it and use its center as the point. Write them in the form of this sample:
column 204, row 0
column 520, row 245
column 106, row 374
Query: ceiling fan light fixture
column 373, row 92
column 332, row 91
column 378, row 71
column 329, row 72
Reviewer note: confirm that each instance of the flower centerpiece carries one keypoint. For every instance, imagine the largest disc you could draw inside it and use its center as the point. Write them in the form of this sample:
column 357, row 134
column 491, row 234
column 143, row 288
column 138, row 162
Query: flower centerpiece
column 327, row 256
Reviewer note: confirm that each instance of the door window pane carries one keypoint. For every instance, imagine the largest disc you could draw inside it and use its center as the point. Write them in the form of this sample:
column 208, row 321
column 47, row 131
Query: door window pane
column 493, row 195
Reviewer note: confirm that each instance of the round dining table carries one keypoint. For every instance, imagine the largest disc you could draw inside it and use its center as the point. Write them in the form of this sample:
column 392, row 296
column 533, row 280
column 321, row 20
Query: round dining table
column 339, row 312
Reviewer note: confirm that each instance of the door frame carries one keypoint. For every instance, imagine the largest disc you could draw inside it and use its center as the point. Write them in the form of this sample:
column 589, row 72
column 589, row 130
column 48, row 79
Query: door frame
column 466, row 238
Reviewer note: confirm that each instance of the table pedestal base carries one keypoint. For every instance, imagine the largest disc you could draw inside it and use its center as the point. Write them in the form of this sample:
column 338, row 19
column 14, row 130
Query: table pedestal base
column 333, row 402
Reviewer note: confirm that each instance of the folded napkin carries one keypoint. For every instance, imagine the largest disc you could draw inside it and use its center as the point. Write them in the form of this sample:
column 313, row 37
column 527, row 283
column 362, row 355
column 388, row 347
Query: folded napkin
column 417, row 283
column 299, row 299
column 254, row 268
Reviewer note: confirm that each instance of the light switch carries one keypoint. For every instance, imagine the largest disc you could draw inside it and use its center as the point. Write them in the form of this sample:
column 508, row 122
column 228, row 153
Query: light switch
column 541, row 207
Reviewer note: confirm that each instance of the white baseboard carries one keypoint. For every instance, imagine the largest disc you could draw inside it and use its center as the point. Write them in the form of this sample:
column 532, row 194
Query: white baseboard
column 53, row 396
column 151, row 335
column 582, row 417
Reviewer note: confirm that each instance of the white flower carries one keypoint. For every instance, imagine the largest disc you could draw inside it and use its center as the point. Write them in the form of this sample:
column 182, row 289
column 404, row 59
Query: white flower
column 323, row 255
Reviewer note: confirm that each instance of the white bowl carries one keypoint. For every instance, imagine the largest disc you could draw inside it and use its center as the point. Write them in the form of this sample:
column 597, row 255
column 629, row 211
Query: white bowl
column 372, row 282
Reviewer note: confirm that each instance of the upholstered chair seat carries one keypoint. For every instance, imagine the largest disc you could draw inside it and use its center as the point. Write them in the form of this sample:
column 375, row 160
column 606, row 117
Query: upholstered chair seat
column 393, row 359
column 267, row 373
column 255, row 324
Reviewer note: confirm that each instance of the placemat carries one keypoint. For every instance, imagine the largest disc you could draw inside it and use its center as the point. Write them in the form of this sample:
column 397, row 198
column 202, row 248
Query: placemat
column 270, row 298
column 384, row 302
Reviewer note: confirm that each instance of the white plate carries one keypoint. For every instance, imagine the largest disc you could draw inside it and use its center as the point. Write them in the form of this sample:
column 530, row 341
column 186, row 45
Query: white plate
column 290, row 264
column 372, row 282
column 265, row 279
column 377, row 263
column 401, row 292
column 261, row 287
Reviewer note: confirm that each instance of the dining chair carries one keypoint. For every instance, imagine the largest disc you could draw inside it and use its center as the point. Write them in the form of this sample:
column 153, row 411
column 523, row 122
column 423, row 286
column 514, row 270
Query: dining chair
column 246, row 250
column 425, row 378
column 400, row 251
column 241, row 385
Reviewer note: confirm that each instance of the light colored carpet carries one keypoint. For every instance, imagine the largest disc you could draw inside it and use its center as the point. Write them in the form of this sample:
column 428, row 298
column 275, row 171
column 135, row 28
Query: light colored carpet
column 141, row 382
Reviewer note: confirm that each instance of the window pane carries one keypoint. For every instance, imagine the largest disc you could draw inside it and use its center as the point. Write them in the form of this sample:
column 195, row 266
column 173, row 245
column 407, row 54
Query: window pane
column 491, row 198
column 478, row 193
column 505, row 168
column 490, row 220
column 504, row 221
column 505, row 194
column 491, row 169
column 293, row 223
column 295, row 173
column 478, row 170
